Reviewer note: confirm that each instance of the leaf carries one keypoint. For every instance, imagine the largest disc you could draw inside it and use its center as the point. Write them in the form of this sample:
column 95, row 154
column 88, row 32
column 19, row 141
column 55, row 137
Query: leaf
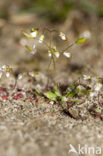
column 76, row 100
column 81, row 40
column 51, row 96
column 34, row 73
column 71, row 94
column 56, row 90
column 72, row 86
column 29, row 48
column 41, row 38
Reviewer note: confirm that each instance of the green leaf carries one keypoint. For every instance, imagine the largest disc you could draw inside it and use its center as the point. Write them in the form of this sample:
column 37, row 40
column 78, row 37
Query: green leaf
column 34, row 73
column 72, row 86
column 29, row 48
column 81, row 40
column 71, row 94
column 56, row 90
column 51, row 96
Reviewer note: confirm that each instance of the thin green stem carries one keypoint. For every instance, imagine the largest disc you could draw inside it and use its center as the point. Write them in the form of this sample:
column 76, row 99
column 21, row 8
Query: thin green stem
column 50, row 39
column 48, row 71
column 54, row 62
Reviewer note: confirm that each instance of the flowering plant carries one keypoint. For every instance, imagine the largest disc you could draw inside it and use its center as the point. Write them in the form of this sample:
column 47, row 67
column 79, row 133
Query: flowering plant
column 53, row 53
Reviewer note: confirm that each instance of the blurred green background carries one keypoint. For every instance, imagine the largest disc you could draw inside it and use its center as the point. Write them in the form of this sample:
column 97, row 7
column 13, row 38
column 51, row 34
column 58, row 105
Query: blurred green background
column 52, row 10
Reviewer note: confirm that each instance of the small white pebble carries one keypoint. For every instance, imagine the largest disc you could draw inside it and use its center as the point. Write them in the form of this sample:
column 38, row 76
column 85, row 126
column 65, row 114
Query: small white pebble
column 51, row 102
column 92, row 94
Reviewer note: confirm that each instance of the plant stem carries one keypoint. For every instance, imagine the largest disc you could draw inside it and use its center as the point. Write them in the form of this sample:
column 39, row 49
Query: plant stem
column 48, row 72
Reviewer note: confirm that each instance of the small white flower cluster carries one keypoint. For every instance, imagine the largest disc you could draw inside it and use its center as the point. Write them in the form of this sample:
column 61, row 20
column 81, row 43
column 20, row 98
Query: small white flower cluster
column 57, row 54
column 5, row 70
column 54, row 51
column 63, row 36
column 86, row 77
column 32, row 35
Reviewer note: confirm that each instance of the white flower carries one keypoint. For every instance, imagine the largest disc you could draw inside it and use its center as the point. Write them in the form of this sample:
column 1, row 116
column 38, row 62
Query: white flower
column 62, row 36
column 67, row 54
column 7, row 74
column 86, row 34
column 98, row 86
column 57, row 54
column 34, row 50
column 49, row 54
column 41, row 38
column 86, row 77
column 34, row 34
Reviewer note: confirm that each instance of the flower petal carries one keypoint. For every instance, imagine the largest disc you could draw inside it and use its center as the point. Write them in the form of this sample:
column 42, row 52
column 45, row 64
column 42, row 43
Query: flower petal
column 67, row 54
